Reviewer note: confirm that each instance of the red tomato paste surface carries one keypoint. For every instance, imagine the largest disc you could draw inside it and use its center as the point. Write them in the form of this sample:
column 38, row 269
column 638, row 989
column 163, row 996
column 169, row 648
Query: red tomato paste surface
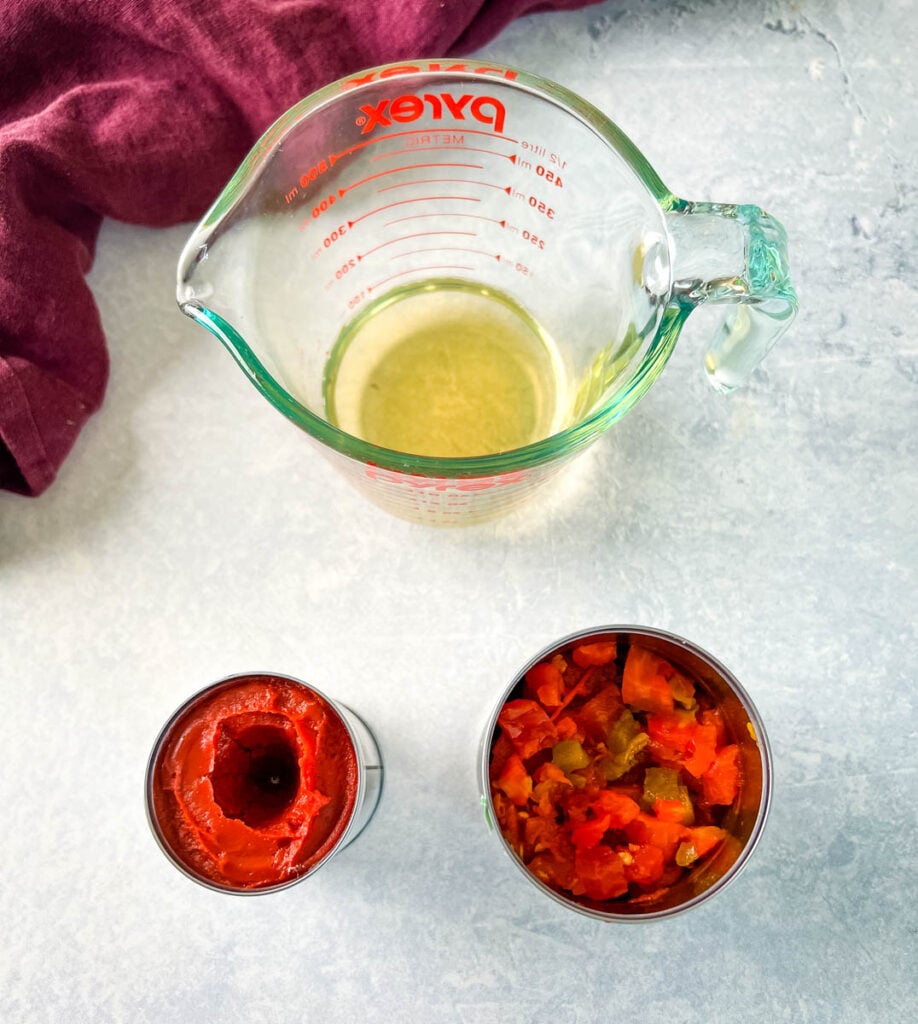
column 255, row 783
column 612, row 773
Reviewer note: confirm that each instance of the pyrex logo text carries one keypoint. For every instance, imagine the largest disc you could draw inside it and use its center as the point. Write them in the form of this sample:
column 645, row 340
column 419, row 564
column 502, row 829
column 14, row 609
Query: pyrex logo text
column 407, row 108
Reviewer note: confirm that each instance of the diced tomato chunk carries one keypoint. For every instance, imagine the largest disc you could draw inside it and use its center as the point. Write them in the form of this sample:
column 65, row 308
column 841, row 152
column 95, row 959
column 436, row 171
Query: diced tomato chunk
column 549, row 772
column 503, row 748
column 590, row 833
column 620, row 808
column 669, row 736
column 678, row 738
column 600, row 872
column 712, row 716
column 568, row 729
column 646, row 867
column 644, row 682
column 702, row 750
column 546, row 682
column 599, row 712
column 527, row 726
column 721, row 781
column 648, row 830
column 704, row 838
column 508, row 817
column 599, row 653
column 669, row 810
column 514, row 781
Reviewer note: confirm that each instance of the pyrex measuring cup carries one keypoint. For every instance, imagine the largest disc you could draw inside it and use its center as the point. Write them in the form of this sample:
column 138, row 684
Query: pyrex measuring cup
column 442, row 247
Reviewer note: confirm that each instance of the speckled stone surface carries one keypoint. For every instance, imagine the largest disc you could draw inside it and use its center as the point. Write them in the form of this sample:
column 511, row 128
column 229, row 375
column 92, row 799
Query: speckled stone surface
column 193, row 533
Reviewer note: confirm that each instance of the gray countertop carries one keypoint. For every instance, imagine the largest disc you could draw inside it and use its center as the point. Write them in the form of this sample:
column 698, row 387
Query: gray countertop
column 194, row 533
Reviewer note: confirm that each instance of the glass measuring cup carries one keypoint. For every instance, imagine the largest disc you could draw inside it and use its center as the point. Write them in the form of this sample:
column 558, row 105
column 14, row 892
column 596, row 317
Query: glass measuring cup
column 451, row 239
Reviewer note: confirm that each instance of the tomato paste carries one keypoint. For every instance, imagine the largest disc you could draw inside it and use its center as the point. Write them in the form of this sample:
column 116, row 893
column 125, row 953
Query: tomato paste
column 253, row 783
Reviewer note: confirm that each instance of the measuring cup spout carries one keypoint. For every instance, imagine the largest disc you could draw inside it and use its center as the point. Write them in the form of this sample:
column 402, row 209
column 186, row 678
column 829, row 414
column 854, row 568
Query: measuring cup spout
column 735, row 256
column 189, row 287
column 212, row 288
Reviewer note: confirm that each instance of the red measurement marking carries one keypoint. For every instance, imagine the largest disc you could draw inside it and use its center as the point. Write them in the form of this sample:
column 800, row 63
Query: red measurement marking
column 405, row 202
column 417, row 234
column 397, row 170
column 456, row 149
column 446, row 213
column 449, row 181
column 447, row 248
column 415, row 270
column 414, row 131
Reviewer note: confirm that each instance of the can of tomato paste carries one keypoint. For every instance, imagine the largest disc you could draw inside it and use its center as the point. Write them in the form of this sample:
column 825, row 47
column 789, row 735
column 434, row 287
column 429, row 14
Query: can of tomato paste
column 258, row 780
column 626, row 773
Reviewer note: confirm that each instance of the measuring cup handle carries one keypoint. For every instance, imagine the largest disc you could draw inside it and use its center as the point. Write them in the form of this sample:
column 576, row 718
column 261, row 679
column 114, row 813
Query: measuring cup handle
column 735, row 256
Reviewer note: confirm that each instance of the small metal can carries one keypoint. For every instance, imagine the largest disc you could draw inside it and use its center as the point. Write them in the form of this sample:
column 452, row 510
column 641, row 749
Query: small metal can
column 257, row 780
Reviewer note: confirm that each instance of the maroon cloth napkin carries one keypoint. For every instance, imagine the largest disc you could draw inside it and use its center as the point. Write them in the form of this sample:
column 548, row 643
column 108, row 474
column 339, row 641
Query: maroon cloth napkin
column 140, row 110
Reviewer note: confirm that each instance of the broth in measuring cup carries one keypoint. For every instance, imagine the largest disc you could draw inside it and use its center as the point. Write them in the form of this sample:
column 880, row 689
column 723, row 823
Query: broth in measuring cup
column 445, row 368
